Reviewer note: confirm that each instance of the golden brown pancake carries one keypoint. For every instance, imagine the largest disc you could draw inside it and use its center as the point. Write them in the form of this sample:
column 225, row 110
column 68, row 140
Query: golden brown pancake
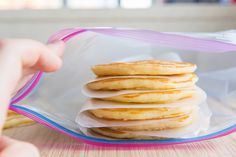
column 144, row 83
column 145, row 67
column 161, row 97
column 119, row 132
column 108, row 132
column 11, row 113
column 171, row 123
column 16, row 120
column 141, row 113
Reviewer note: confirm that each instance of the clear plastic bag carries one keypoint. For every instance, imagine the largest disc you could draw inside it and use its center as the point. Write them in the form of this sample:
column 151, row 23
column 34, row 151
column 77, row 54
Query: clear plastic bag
column 58, row 97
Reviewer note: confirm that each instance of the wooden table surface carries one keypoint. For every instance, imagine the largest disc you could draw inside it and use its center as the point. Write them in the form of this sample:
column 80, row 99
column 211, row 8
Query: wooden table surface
column 53, row 144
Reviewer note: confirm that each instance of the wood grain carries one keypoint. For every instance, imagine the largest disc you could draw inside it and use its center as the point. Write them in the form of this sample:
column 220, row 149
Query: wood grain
column 53, row 144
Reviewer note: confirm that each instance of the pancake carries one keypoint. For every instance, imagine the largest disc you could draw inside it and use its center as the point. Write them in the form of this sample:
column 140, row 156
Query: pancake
column 108, row 132
column 11, row 113
column 127, row 114
column 144, row 83
column 145, row 67
column 120, row 132
column 16, row 120
column 161, row 97
column 171, row 123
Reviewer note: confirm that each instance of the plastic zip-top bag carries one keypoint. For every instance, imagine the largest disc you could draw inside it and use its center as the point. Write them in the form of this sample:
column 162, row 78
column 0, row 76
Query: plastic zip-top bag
column 59, row 97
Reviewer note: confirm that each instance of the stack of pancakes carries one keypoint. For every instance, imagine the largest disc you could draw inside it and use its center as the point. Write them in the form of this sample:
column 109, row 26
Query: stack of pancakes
column 151, row 82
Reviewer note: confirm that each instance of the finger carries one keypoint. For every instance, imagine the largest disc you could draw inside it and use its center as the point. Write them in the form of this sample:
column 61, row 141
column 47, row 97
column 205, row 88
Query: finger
column 48, row 62
column 10, row 147
column 51, row 61
column 33, row 53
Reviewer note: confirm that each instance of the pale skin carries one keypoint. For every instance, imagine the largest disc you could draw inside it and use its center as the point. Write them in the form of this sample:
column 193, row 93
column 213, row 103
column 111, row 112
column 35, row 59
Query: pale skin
column 19, row 60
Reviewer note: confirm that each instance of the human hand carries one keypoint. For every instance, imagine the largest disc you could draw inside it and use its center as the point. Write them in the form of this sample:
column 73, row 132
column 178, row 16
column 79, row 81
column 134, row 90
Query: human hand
column 19, row 60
